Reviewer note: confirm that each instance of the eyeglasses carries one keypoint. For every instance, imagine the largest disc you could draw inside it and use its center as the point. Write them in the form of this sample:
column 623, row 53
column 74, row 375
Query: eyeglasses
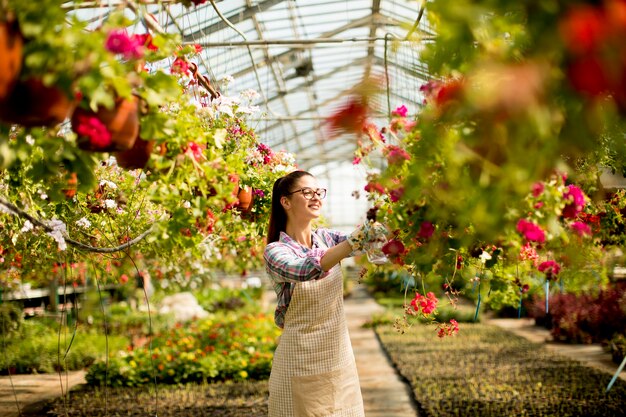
column 308, row 193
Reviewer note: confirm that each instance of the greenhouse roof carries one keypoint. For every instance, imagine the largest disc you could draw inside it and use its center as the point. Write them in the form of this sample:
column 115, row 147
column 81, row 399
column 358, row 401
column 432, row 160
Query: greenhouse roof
column 303, row 58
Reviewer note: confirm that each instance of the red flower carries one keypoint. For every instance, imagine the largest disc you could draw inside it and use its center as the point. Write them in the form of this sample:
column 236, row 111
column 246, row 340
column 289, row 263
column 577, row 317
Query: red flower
column 396, row 194
column 426, row 230
column 550, row 268
column 427, row 304
column 583, row 28
column 145, row 39
column 374, row 187
column 180, row 66
column 92, row 128
column 349, row 118
column 393, row 248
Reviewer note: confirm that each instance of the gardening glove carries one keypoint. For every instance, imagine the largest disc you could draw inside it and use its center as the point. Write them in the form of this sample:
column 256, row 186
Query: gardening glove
column 366, row 233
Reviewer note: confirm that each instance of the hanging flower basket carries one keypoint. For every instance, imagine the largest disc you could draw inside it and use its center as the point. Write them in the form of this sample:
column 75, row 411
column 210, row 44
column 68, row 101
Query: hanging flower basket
column 31, row 103
column 137, row 156
column 11, row 44
column 245, row 198
column 108, row 130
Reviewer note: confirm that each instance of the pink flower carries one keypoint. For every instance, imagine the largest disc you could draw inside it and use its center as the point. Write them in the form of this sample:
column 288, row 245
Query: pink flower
column 448, row 329
column 194, row 150
column 400, row 111
column 356, row 160
column 549, row 268
column 538, row 188
column 395, row 154
column 118, row 42
column 396, row 194
column 528, row 253
column 180, row 66
column 581, row 228
column 92, row 128
column 426, row 230
column 576, row 202
column 374, row 187
column 531, row 231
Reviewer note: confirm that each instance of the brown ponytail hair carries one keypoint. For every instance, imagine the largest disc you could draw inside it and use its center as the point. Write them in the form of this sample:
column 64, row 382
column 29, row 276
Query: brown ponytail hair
column 278, row 216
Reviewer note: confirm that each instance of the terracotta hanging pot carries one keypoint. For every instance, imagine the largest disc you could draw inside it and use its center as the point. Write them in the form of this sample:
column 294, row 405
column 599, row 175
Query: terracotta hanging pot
column 31, row 103
column 137, row 156
column 122, row 123
column 11, row 45
column 245, row 198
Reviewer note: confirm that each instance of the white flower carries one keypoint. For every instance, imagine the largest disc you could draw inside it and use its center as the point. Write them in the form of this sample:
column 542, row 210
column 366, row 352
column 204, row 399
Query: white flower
column 109, row 184
column 484, row 257
column 186, row 204
column 227, row 80
column 250, row 94
column 30, row 140
column 84, row 223
column 108, row 203
column 58, row 232
column 43, row 196
column 28, row 226
column 248, row 109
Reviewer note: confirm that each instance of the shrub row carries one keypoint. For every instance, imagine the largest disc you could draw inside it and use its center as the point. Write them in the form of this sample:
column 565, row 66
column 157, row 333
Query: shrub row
column 227, row 346
column 485, row 371
column 583, row 318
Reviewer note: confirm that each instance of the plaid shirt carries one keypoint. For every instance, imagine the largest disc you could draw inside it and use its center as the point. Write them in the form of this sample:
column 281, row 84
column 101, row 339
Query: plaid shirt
column 288, row 262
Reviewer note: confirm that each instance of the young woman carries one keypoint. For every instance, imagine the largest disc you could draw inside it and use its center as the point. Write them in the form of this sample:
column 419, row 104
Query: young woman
column 313, row 373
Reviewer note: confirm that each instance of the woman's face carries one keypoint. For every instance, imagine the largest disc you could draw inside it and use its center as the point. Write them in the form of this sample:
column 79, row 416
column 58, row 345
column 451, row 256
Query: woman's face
column 299, row 206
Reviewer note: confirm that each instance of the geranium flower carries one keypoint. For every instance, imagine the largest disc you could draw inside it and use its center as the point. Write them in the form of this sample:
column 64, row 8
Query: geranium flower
column 581, row 228
column 576, row 199
column 92, row 128
column 180, row 66
column 393, row 247
column 448, row 329
column 118, row 42
column 427, row 304
column 145, row 39
column 538, row 188
column 583, row 28
column 400, row 111
column 531, row 231
column 528, row 253
column 350, row 118
column 374, row 187
column 395, row 154
column 426, row 230
column 396, row 194
column 550, row 268
column 195, row 151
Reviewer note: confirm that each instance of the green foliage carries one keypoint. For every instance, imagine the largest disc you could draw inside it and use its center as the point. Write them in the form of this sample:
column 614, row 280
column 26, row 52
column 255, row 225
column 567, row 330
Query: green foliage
column 40, row 347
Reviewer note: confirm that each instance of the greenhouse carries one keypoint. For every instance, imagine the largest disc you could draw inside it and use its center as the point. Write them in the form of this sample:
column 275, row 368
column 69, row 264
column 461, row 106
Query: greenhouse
column 312, row 208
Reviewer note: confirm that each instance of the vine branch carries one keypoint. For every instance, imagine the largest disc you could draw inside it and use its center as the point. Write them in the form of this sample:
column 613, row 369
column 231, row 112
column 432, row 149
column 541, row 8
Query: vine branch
column 13, row 209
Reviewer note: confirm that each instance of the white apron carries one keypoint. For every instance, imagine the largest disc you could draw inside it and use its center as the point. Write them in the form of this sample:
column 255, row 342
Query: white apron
column 313, row 372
